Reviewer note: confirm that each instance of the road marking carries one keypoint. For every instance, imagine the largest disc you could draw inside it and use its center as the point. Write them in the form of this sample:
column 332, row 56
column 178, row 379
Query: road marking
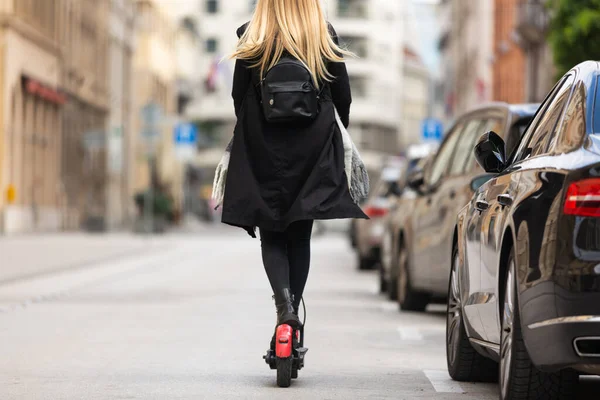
column 411, row 334
column 442, row 383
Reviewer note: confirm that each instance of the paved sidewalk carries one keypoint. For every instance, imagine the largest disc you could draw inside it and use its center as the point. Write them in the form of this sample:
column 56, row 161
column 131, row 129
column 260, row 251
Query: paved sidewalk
column 27, row 256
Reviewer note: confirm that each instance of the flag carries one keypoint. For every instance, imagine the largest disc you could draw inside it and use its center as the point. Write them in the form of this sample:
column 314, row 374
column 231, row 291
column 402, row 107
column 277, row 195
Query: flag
column 211, row 80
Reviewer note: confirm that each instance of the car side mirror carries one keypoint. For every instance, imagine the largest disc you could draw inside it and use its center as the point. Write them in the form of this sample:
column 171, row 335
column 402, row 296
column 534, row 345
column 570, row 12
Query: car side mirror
column 416, row 179
column 490, row 152
column 480, row 180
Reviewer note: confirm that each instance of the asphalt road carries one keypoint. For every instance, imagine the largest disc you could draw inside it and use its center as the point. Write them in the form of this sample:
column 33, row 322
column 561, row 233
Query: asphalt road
column 190, row 317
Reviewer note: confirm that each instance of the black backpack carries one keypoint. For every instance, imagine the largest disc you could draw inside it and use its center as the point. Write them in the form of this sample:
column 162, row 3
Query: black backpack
column 288, row 93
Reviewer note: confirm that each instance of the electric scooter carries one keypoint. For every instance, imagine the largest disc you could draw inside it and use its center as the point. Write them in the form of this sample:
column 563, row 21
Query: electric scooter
column 288, row 356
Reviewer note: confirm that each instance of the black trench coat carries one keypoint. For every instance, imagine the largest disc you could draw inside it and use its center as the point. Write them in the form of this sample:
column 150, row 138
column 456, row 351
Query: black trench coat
column 279, row 174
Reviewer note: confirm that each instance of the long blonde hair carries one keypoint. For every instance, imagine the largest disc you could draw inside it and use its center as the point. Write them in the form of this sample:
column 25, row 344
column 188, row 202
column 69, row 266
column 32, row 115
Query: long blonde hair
column 296, row 26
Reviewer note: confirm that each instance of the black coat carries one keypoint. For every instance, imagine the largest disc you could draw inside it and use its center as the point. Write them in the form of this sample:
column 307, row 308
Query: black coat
column 279, row 174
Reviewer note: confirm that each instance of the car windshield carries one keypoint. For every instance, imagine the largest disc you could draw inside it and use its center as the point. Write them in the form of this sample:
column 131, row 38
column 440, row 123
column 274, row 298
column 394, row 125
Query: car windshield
column 516, row 133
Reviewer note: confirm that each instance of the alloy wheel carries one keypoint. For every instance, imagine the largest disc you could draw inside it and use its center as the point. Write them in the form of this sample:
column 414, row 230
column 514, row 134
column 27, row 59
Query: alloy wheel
column 506, row 347
column 454, row 318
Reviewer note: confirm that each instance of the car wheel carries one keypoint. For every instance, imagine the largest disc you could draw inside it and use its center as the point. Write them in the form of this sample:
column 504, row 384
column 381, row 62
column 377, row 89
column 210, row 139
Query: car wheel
column 352, row 234
column 365, row 263
column 519, row 378
column 464, row 362
column 386, row 257
column 408, row 299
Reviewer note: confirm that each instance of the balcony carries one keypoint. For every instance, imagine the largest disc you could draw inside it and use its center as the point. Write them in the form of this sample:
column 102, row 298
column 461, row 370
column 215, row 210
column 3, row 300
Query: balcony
column 532, row 21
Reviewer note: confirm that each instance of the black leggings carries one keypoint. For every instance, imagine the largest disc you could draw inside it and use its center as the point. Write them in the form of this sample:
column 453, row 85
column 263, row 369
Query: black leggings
column 286, row 256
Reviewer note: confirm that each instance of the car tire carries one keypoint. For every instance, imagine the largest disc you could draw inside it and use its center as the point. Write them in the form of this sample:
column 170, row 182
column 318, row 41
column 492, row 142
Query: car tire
column 465, row 364
column 352, row 234
column 392, row 289
column 519, row 378
column 408, row 298
column 365, row 263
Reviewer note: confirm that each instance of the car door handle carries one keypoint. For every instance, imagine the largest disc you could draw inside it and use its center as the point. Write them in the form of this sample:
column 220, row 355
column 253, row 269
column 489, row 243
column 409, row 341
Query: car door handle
column 482, row 205
column 505, row 200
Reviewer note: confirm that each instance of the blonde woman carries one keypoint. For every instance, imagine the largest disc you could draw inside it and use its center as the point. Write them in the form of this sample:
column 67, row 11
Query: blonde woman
column 284, row 173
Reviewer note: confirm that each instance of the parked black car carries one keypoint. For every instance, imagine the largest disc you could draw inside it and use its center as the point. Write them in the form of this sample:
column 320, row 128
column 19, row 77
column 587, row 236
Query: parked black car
column 525, row 283
column 423, row 236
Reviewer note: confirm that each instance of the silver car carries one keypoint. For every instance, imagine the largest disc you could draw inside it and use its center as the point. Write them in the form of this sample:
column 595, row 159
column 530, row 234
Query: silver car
column 368, row 234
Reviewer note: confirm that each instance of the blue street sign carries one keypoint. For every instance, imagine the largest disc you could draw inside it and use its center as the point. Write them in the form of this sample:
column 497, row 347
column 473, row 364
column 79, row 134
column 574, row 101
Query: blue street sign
column 186, row 134
column 432, row 130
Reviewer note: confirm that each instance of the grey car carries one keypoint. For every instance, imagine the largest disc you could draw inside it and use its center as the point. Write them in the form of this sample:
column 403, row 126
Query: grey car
column 420, row 264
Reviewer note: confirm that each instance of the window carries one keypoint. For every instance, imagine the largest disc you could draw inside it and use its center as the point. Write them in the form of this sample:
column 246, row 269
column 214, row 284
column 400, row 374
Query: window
column 540, row 132
column 212, row 6
column 356, row 44
column 573, row 128
column 515, row 134
column 495, row 124
column 545, row 131
column 358, row 85
column 352, row 8
column 464, row 149
column 211, row 45
column 444, row 156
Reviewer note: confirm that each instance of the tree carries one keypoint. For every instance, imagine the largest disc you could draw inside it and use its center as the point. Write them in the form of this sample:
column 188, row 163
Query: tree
column 574, row 32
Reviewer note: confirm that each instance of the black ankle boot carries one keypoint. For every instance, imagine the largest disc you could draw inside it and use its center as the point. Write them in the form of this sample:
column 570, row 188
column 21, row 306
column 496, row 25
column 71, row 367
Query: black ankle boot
column 285, row 309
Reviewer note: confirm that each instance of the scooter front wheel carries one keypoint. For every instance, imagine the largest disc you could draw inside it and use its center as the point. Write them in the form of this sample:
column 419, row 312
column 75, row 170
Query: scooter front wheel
column 284, row 371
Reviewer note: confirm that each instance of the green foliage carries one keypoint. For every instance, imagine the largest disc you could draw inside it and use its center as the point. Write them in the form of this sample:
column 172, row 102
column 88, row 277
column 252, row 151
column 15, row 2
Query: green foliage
column 575, row 32
column 162, row 204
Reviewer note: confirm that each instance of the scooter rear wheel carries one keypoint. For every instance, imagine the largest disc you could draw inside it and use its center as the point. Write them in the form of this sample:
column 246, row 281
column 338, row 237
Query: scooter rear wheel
column 284, row 371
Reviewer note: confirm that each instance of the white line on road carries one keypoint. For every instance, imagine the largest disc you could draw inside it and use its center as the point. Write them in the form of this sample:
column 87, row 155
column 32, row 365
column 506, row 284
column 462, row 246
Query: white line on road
column 411, row 334
column 442, row 383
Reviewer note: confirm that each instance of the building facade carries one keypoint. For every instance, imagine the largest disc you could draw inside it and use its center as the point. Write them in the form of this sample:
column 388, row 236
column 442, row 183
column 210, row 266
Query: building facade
column 155, row 71
column 467, row 53
column 531, row 28
column 85, row 44
column 509, row 57
column 120, row 129
column 415, row 98
column 31, row 107
column 371, row 29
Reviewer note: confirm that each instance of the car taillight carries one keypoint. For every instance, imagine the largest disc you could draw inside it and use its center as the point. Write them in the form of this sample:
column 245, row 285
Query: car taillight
column 583, row 198
column 375, row 212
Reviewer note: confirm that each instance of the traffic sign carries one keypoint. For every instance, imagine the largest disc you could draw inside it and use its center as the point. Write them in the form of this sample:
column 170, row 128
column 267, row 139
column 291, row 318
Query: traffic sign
column 186, row 134
column 185, row 137
column 94, row 139
column 151, row 114
column 432, row 130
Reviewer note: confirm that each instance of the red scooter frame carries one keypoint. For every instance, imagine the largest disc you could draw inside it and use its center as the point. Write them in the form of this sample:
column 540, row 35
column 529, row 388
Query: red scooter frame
column 288, row 357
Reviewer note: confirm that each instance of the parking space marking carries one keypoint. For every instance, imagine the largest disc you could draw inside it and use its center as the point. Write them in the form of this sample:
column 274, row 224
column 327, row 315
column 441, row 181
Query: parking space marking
column 410, row 334
column 442, row 383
